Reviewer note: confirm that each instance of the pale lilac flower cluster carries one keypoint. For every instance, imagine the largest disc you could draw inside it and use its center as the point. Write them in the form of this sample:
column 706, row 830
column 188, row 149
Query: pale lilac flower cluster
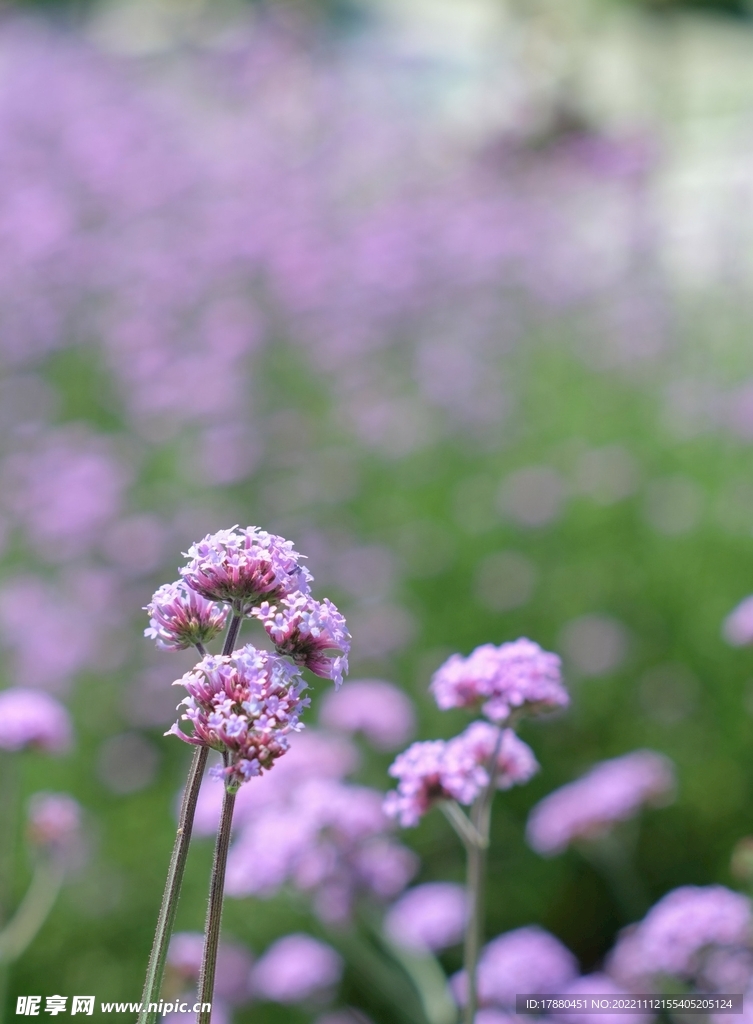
column 429, row 917
column 611, row 791
column 456, row 769
column 29, row 718
column 383, row 713
column 683, row 925
column 244, row 705
column 324, row 837
column 738, row 626
column 180, row 618
column 296, row 968
column 600, row 984
column 528, row 959
column 54, row 821
column 234, row 963
column 243, row 566
column 308, row 631
column 515, row 677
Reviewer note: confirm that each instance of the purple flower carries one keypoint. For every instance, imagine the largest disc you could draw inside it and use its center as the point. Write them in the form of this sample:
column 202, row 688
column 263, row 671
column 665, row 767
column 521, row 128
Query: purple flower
column 29, row 718
column 382, row 712
column 54, row 822
column 525, row 960
column 244, row 705
column 600, row 984
column 683, row 924
column 428, row 917
column 738, row 626
column 241, row 566
column 234, row 963
column 180, row 618
column 309, row 632
column 311, row 755
column 455, row 769
column 295, row 968
column 611, row 791
column 326, row 838
column 515, row 677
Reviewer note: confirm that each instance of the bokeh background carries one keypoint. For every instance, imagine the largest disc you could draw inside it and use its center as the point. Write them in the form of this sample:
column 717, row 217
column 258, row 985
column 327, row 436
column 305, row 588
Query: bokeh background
column 456, row 294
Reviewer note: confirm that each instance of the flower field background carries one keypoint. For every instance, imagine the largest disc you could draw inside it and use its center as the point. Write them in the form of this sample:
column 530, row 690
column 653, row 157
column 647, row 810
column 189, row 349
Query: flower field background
column 265, row 281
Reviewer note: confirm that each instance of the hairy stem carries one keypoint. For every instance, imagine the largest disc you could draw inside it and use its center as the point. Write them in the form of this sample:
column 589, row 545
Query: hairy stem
column 166, row 919
column 33, row 910
column 214, row 908
column 232, row 634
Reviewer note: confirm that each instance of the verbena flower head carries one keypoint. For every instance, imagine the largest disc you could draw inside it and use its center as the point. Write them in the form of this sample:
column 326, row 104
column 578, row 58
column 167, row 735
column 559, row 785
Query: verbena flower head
column 379, row 710
column 244, row 566
column 180, row 617
column 600, row 984
column 243, row 705
column 516, row 677
column 525, row 960
column 429, row 917
column 738, row 626
column 295, row 968
column 325, row 838
column 29, row 718
column 455, row 769
column 611, row 791
column 685, row 922
column 313, row 633
column 54, row 822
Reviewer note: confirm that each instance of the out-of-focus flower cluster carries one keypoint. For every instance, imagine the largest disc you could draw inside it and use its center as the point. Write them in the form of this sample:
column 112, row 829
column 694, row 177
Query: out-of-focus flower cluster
column 306, row 826
column 612, row 791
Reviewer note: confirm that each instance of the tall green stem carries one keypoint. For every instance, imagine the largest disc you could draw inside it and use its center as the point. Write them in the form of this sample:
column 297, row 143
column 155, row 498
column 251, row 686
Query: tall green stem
column 166, row 919
column 481, row 814
column 214, row 908
column 33, row 910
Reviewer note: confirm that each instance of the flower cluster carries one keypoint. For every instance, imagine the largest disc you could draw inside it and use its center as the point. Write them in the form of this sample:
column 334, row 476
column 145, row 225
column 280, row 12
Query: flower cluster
column 313, row 633
column 295, row 968
column 683, row 925
column 180, row 617
column 431, row 917
column 54, row 822
column 528, row 959
column 612, row 791
column 325, row 837
column 243, row 705
column 29, row 718
column 515, row 677
column 738, row 626
column 456, row 769
column 242, row 566
column 377, row 709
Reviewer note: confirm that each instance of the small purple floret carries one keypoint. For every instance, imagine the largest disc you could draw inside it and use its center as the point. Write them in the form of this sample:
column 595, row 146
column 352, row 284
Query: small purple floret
column 54, row 821
column 30, row 718
column 180, row 618
column 516, row 677
column 244, row 566
column 312, row 633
